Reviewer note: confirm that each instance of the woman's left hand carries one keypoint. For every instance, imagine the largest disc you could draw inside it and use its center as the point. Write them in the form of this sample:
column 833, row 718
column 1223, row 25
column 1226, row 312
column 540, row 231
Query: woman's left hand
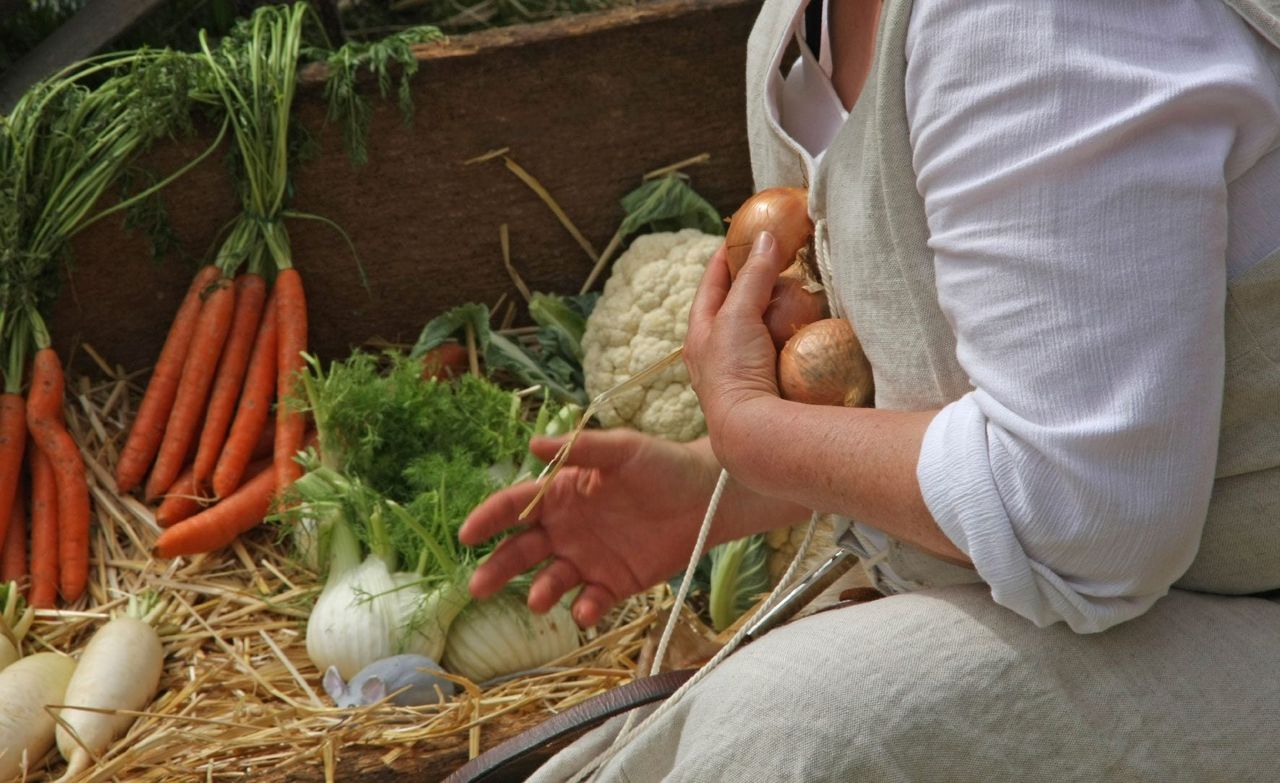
column 730, row 355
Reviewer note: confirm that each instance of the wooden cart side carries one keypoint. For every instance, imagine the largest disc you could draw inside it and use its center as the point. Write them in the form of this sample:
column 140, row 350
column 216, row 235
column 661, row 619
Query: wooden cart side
column 586, row 104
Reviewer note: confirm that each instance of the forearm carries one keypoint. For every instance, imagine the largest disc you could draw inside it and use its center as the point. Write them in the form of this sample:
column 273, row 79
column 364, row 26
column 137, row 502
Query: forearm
column 743, row 511
column 855, row 462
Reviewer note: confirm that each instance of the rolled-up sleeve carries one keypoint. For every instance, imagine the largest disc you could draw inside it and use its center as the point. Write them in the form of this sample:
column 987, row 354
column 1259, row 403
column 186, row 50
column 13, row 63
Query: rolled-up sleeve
column 1073, row 159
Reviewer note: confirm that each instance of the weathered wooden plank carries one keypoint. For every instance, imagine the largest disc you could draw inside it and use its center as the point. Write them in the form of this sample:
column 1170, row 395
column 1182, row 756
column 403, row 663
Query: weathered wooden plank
column 87, row 31
column 587, row 104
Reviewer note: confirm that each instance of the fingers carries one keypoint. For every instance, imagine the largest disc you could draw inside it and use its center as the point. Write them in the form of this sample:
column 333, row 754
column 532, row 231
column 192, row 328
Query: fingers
column 512, row 558
column 712, row 290
column 499, row 511
column 602, row 449
column 551, row 583
column 591, row 604
column 753, row 288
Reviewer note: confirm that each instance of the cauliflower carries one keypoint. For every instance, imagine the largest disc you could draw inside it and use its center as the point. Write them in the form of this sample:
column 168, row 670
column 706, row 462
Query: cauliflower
column 784, row 541
column 642, row 316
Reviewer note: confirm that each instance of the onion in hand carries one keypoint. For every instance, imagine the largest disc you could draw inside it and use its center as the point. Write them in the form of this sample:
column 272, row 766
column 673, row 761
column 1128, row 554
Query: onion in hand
column 823, row 364
column 795, row 303
column 783, row 212
column 797, row 297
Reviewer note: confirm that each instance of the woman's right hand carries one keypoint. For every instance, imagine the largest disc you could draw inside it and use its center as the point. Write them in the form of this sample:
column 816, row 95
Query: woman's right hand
column 622, row 515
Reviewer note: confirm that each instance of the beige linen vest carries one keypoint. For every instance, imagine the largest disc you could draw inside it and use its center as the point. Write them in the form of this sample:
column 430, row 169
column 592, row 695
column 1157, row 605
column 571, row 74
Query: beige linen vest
column 872, row 242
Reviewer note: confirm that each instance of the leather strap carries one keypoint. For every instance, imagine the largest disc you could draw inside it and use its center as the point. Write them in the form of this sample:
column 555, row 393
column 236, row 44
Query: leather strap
column 518, row 757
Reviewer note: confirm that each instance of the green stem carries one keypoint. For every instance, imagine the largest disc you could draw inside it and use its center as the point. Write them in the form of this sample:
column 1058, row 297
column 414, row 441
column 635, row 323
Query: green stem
column 17, row 357
column 344, row 549
column 158, row 186
column 39, row 331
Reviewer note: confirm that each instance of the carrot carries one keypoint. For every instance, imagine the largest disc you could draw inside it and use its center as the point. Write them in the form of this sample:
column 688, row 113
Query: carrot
column 184, row 498
column 291, row 425
column 13, row 562
column 148, row 426
column 251, row 293
column 13, row 439
column 44, row 530
column 250, row 423
column 193, row 389
column 181, row 501
column 217, row 526
column 44, row 419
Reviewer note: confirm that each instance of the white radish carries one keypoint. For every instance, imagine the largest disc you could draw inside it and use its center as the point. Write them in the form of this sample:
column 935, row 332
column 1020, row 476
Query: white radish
column 118, row 670
column 27, row 687
column 15, row 619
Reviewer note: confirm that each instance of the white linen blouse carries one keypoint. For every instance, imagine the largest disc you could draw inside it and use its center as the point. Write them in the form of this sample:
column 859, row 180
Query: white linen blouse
column 1093, row 174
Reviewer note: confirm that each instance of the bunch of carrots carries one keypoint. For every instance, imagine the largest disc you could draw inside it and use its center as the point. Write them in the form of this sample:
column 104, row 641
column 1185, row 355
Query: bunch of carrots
column 232, row 347
column 33, row 427
column 205, row 416
column 61, row 148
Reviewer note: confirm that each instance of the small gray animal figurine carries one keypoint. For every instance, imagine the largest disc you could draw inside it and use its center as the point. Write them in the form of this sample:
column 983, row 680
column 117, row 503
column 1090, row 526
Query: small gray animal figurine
column 403, row 673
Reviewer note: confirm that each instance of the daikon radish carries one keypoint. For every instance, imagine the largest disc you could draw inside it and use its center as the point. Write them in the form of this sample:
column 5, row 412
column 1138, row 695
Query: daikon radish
column 118, row 670
column 27, row 687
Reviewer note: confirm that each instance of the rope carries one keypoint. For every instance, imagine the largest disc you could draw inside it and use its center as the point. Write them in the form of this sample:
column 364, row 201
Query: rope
column 683, row 594
column 821, row 250
column 625, row 735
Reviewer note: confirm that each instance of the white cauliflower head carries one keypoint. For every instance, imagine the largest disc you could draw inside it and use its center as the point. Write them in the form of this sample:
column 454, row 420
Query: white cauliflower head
column 642, row 316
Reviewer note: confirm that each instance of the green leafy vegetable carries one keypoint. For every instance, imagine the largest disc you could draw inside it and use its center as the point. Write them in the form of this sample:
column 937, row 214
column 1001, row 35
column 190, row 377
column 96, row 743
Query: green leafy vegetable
column 560, row 375
column 379, row 58
column 739, row 574
column 668, row 204
column 374, row 421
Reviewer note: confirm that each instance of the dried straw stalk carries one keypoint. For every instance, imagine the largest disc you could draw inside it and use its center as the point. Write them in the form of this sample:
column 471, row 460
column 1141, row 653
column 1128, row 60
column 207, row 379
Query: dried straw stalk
column 238, row 697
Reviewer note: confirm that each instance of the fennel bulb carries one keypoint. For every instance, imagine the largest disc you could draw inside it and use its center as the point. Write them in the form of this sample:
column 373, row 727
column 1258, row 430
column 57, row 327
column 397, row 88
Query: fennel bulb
column 500, row 636
column 423, row 617
column 351, row 625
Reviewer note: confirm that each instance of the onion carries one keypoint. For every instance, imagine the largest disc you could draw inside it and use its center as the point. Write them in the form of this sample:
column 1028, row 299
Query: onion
column 795, row 302
column 823, row 364
column 783, row 212
column 797, row 295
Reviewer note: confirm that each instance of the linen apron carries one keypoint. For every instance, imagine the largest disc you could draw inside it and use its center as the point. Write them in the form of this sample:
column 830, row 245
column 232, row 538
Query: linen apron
column 938, row 682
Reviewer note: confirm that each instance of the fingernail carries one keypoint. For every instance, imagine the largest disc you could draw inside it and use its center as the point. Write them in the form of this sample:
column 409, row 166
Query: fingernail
column 763, row 243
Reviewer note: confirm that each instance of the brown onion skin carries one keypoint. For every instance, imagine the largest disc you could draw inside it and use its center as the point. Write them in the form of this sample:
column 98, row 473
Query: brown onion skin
column 823, row 364
column 792, row 305
column 783, row 212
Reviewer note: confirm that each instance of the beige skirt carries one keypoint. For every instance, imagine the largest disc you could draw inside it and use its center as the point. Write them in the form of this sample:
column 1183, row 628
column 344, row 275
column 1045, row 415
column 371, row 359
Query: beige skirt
column 945, row 685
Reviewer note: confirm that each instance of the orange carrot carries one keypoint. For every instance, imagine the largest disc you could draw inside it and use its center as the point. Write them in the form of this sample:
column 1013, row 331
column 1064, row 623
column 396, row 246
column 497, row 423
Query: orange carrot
column 44, row 530
column 181, row 501
column 44, row 419
column 251, row 293
column 217, row 526
column 291, row 425
column 13, row 562
column 193, row 390
column 148, row 426
column 184, row 498
column 13, row 439
column 250, row 422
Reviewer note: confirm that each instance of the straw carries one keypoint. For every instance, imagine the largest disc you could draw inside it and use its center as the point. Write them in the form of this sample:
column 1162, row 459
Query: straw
column 239, row 699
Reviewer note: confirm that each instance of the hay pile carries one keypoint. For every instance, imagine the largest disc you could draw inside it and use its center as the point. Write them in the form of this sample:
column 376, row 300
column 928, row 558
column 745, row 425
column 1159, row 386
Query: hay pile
column 239, row 697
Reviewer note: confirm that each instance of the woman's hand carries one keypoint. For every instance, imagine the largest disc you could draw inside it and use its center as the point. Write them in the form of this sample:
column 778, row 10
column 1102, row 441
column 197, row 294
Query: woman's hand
column 620, row 517
column 728, row 350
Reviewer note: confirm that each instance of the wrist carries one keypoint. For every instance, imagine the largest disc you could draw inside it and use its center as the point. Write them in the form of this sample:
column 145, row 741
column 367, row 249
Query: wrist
column 742, row 446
